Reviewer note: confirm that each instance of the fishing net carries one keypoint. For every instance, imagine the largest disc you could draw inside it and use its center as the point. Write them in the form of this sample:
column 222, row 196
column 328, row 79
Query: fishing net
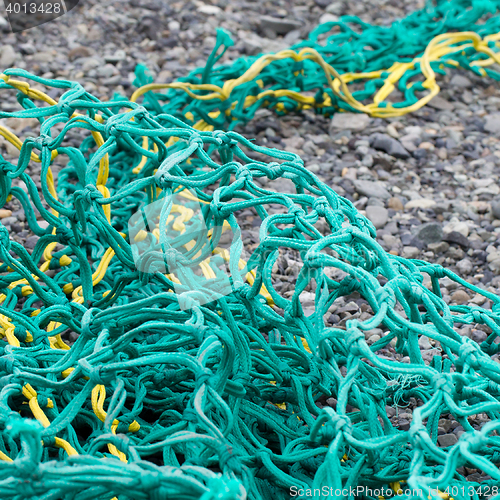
column 150, row 354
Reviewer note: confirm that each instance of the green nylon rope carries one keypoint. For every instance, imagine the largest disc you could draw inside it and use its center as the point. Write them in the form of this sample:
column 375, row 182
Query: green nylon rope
column 204, row 381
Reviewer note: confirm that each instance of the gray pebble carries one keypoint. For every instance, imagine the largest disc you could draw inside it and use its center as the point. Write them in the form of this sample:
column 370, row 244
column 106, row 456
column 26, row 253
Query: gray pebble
column 391, row 146
column 370, row 188
column 447, row 440
column 378, row 215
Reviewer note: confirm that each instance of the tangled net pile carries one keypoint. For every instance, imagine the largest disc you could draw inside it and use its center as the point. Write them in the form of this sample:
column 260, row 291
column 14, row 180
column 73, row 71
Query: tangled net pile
column 118, row 382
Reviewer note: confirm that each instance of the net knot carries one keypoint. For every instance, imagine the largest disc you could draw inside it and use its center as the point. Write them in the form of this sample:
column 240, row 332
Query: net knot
column 196, row 139
column 206, row 377
column 443, row 382
column 150, row 480
column 64, row 233
column 275, row 171
column 227, row 459
column 334, row 423
column 468, row 352
column 172, row 257
column 243, row 172
column 111, row 126
column 89, row 193
column 473, row 441
column 95, row 373
column 477, row 315
column 190, row 415
column 284, row 370
column 352, row 338
column 321, row 205
column 43, row 140
column 297, row 211
column 186, row 301
column 64, row 108
column 418, row 434
column 223, row 138
column 7, row 363
column 218, row 209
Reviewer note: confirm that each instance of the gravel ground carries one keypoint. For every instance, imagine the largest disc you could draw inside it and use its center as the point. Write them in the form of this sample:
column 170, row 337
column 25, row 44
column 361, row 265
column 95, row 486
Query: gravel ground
column 428, row 181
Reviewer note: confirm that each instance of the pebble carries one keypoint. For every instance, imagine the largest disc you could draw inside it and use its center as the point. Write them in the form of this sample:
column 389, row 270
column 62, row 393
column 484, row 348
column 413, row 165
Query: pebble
column 464, row 266
column 460, row 81
column 441, row 104
column 460, row 297
column 447, row 440
column 420, row 203
column 7, row 56
column 349, row 121
column 432, row 232
column 411, row 252
column 378, row 215
column 495, row 208
column 78, row 52
column 456, row 237
column 492, row 123
column 210, row 10
column 390, row 145
column 5, row 213
column 278, row 25
column 395, row 203
column 370, row 188
column 458, row 226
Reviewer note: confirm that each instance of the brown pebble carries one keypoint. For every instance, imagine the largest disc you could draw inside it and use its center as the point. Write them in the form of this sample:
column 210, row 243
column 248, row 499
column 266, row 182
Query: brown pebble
column 395, row 203
column 5, row 213
column 460, row 297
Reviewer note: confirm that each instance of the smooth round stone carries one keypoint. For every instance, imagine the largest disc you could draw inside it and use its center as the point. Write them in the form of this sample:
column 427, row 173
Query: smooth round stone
column 378, row 215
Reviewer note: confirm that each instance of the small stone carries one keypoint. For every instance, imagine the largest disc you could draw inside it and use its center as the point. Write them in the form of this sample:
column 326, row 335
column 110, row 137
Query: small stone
column 278, row 25
column 78, row 52
column 459, row 227
column 456, row 237
column 7, row 56
column 431, row 232
column 420, row 203
column 460, row 81
column 495, row 208
column 209, row 10
column 464, row 266
column 447, row 440
column 328, row 18
column 31, row 242
column 378, row 215
column 440, row 247
column 479, row 336
column 395, row 203
column 45, row 56
column 423, row 343
column 441, row 104
column 26, row 48
column 391, row 146
column 411, row 252
column 460, row 297
column 5, row 213
column 370, row 188
column 492, row 123
column 118, row 56
column 350, row 121
column 494, row 265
